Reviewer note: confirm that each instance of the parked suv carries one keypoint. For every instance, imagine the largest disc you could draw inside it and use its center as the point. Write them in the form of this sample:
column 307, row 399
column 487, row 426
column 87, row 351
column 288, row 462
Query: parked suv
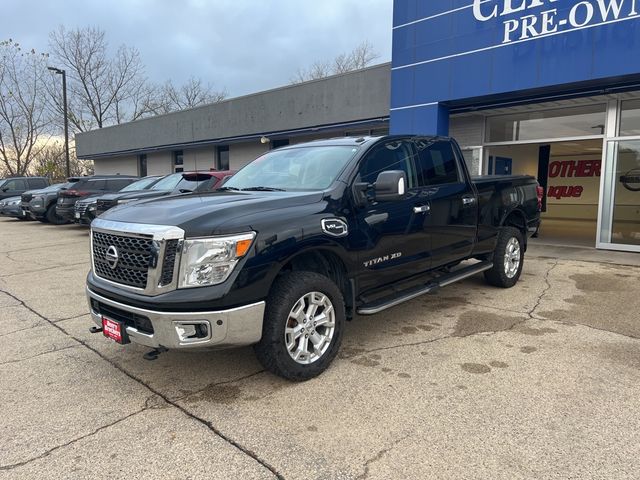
column 86, row 187
column 185, row 182
column 41, row 204
column 16, row 186
column 85, row 209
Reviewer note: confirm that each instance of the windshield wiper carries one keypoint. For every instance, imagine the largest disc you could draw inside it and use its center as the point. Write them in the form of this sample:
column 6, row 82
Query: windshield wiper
column 263, row 189
column 227, row 189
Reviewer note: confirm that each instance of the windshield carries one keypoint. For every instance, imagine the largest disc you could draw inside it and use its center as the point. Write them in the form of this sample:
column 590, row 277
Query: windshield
column 168, row 183
column 140, row 184
column 304, row 168
column 53, row 188
column 181, row 181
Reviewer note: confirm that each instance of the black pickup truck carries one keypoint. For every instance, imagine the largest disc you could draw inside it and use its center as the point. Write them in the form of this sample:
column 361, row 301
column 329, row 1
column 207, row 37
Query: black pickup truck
column 301, row 240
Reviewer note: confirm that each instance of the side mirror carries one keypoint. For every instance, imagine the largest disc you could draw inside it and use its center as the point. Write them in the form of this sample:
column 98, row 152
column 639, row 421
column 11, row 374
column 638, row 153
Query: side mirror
column 390, row 186
column 5, row 189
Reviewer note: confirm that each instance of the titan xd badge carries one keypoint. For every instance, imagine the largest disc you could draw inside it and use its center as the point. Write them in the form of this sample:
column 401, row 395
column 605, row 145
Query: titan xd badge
column 334, row 227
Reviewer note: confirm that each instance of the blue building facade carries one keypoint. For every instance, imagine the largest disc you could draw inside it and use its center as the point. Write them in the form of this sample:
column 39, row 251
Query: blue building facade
column 454, row 54
column 549, row 88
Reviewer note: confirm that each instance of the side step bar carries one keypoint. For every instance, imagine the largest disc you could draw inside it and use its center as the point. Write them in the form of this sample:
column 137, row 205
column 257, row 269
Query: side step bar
column 410, row 294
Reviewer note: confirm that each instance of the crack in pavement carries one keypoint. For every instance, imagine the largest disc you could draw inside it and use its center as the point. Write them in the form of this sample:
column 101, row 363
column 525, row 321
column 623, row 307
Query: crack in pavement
column 43, row 246
column 70, row 318
column 530, row 314
column 21, row 329
column 378, row 456
column 182, row 409
column 8, row 275
column 39, row 354
column 544, row 291
column 75, row 440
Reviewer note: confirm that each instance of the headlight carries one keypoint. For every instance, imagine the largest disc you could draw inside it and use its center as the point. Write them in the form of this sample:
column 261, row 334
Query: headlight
column 92, row 207
column 210, row 261
column 37, row 200
column 14, row 202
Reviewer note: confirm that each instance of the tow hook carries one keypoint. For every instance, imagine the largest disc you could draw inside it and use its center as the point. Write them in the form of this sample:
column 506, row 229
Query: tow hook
column 153, row 354
column 95, row 329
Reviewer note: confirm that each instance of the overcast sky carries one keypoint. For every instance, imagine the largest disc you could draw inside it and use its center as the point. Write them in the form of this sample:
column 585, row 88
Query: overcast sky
column 241, row 45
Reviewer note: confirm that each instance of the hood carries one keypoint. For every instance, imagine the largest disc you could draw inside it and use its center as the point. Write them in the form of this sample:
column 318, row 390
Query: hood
column 134, row 194
column 206, row 214
column 89, row 199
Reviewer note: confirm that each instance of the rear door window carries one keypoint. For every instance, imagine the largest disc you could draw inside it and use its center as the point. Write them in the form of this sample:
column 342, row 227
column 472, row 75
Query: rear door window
column 437, row 163
column 36, row 183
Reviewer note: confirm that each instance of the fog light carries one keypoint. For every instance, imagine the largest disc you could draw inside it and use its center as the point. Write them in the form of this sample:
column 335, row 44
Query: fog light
column 192, row 331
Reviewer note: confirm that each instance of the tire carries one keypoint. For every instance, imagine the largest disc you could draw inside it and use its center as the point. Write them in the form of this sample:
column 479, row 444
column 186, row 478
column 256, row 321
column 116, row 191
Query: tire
column 277, row 348
column 508, row 259
column 52, row 217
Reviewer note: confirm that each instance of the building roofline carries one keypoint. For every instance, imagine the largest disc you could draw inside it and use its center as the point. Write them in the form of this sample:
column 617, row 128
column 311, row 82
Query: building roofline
column 241, row 97
column 236, row 139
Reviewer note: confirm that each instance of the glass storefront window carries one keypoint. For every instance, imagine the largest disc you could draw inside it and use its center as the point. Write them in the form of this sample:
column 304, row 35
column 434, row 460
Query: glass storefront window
column 630, row 118
column 472, row 159
column 621, row 220
column 569, row 122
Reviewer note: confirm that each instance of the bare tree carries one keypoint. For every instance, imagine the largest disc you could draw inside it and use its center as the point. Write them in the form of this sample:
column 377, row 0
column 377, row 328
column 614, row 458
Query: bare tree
column 191, row 94
column 359, row 57
column 23, row 117
column 103, row 89
column 50, row 162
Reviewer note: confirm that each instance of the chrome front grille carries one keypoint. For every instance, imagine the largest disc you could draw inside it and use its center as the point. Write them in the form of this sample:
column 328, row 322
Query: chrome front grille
column 136, row 256
column 81, row 208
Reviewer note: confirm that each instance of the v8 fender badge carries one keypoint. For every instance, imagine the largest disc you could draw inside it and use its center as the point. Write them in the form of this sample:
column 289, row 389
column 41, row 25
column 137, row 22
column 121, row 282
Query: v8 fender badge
column 334, row 227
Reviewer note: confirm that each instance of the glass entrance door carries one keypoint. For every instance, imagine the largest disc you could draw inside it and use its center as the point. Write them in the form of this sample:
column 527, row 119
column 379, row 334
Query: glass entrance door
column 620, row 224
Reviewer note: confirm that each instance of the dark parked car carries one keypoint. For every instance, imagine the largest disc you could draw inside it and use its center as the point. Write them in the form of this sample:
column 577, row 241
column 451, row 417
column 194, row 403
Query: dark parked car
column 175, row 183
column 88, row 186
column 41, row 204
column 10, row 207
column 85, row 209
column 16, row 186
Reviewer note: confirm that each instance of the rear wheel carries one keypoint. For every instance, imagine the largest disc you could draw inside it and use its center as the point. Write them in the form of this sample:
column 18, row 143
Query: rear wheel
column 52, row 217
column 303, row 326
column 508, row 259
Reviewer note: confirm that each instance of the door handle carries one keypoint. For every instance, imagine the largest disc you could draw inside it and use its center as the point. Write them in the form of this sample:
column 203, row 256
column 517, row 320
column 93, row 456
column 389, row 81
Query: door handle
column 421, row 209
column 468, row 200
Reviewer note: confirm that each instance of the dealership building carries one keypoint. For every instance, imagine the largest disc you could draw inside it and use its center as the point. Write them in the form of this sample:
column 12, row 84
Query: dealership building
column 549, row 88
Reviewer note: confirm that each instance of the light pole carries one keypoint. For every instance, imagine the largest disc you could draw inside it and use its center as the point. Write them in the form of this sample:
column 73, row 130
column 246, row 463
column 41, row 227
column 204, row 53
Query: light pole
column 66, row 116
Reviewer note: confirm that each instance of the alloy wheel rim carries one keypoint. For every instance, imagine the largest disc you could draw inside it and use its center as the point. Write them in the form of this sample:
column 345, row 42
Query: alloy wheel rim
column 310, row 328
column 512, row 257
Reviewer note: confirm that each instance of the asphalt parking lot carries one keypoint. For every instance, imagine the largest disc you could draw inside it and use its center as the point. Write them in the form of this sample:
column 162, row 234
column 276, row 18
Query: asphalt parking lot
column 539, row 381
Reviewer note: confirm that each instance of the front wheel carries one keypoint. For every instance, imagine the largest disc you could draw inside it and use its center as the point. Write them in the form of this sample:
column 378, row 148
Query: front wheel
column 303, row 326
column 508, row 259
column 52, row 217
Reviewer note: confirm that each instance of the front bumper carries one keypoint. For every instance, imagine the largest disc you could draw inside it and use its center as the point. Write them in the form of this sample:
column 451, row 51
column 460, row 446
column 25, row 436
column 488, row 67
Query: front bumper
column 226, row 328
column 11, row 211
column 66, row 211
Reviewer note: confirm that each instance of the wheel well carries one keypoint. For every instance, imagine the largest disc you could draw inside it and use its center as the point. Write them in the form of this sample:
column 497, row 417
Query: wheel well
column 517, row 220
column 329, row 265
